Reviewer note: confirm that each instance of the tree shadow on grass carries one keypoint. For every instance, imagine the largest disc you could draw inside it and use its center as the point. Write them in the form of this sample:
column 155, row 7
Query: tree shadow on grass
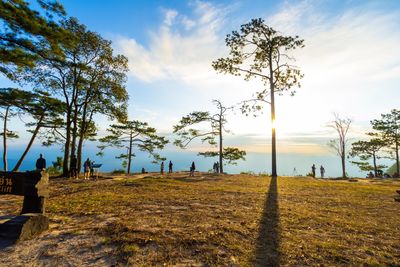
column 267, row 247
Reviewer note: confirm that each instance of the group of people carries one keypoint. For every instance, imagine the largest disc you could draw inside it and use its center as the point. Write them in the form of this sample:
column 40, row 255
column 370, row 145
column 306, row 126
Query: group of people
column 170, row 168
column 216, row 167
column 88, row 168
column 321, row 169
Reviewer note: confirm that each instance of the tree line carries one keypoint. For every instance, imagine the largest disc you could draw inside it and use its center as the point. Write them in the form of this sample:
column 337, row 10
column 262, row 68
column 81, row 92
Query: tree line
column 381, row 142
column 69, row 75
column 74, row 78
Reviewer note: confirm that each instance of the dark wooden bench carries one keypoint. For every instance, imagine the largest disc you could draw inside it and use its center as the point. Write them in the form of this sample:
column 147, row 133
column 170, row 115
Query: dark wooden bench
column 33, row 186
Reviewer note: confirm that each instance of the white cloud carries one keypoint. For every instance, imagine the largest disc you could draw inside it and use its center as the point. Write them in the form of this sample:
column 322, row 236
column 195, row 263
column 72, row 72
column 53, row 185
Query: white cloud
column 350, row 62
column 175, row 55
column 169, row 16
column 188, row 23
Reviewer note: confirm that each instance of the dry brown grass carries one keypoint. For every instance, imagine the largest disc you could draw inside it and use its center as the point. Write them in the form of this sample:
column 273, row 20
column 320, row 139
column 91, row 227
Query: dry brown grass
column 218, row 220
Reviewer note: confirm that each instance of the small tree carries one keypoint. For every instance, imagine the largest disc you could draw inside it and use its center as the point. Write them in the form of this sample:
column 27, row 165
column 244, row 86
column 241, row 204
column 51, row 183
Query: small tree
column 46, row 112
column 341, row 126
column 44, row 109
column 365, row 150
column 9, row 102
column 130, row 134
column 216, row 129
column 389, row 128
column 258, row 51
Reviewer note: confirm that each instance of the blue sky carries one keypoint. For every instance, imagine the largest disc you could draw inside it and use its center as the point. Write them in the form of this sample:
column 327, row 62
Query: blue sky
column 351, row 63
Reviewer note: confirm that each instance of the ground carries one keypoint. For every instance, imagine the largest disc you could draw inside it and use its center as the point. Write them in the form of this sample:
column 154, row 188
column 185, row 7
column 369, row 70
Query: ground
column 209, row 220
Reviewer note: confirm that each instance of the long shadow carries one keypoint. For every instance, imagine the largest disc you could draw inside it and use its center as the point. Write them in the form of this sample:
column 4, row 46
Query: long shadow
column 267, row 246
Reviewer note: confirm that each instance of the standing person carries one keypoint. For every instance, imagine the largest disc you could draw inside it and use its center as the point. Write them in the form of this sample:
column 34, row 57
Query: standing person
column 73, row 168
column 92, row 169
column 86, row 169
column 313, row 170
column 192, row 169
column 40, row 163
column 217, row 167
column 322, row 170
column 170, row 167
column 162, row 168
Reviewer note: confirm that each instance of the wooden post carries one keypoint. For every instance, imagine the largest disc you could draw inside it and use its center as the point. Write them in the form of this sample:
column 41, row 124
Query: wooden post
column 33, row 186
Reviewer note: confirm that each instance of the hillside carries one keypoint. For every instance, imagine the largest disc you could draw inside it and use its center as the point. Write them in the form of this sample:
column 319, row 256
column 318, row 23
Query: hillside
column 236, row 220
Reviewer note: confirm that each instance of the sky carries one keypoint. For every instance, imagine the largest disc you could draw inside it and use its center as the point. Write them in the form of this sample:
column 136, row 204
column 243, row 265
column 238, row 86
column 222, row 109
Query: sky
column 351, row 64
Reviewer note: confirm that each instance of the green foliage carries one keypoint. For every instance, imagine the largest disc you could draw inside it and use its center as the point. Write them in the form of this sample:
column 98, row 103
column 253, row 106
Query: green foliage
column 365, row 150
column 186, row 135
column 257, row 51
column 27, row 35
column 55, row 169
column 58, row 163
column 216, row 129
column 366, row 166
column 130, row 134
column 389, row 129
column 10, row 134
column 229, row 154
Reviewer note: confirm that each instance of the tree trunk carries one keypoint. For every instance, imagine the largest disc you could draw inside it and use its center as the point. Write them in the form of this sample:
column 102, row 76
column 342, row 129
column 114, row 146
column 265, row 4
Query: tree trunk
column 67, row 144
column 130, row 152
column 274, row 171
column 5, row 140
column 221, row 166
column 82, row 132
column 273, row 130
column 75, row 110
column 397, row 158
column 343, row 157
column 74, row 132
column 79, row 152
column 28, row 147
column 375, row 169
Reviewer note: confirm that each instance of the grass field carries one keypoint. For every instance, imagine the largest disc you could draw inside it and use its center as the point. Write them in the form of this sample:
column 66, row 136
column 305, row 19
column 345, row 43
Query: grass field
column 208, row 220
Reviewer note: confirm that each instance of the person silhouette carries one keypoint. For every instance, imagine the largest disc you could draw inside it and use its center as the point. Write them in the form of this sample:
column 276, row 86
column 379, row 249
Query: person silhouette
column 313, row 170
column 322, row 170
column 92, row 169
column 40, row 163
column 86, row 169
column 162, row 168
column 170, row 167
column 192, row 169
column 217, row 167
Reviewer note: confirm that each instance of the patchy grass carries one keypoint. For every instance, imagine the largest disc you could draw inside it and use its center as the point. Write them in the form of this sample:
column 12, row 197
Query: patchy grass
column 237, row 220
